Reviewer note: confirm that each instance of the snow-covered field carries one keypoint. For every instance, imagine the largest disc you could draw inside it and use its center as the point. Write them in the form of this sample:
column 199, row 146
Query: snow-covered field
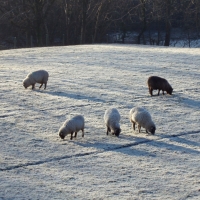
column 36, row 164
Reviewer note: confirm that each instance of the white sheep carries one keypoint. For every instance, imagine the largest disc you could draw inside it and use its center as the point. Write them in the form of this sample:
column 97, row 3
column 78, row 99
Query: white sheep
column 142, row 118
column 111, row 119
column 40, row 76
column 72, row 125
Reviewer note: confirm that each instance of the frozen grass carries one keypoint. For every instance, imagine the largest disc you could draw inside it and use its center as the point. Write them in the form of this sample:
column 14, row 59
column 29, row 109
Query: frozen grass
column 36, row 164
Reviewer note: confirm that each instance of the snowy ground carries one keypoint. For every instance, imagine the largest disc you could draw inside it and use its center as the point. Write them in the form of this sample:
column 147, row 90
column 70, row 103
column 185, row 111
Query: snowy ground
column 36, row 164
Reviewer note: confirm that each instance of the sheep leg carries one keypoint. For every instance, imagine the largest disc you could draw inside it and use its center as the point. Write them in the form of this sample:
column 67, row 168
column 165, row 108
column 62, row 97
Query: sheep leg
column 139, row 128
column 41, row 85
column 82, row 132
column 158, row 92
column 133, row 125
column 33, row 86
column 108, row 130
column 151, row 91
column 71, row 136
column 45, row 85
column 163, row 92
column 146, row 131
column 75, row 134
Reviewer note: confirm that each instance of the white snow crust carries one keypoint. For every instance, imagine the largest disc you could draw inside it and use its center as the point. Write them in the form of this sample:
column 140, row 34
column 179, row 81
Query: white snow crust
column 36, row 164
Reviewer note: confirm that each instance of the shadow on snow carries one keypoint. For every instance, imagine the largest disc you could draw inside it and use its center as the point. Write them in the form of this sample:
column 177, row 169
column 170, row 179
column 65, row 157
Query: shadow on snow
column 73, row 96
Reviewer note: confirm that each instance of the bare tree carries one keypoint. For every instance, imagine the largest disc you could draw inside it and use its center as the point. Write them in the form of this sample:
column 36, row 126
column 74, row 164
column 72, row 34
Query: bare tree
column 89, row 21
column 143, row 18
column 28, row 14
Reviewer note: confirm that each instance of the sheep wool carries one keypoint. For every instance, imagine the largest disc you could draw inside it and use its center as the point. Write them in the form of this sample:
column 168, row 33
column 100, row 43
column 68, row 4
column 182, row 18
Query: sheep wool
column 40, row 76
column 112, row 119
column 158, row 83
column 71, row 126
column 142, row 118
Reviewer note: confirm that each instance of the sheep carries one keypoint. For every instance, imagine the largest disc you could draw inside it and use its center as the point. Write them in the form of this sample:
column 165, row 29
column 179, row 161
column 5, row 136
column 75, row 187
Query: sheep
column 72, row 125
column 158, row 83
column 111, row 119
column 40, row 76
column 142, row 118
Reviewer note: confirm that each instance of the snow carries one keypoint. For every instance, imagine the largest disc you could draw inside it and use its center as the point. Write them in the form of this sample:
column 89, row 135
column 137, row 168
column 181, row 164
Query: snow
column 36, row 164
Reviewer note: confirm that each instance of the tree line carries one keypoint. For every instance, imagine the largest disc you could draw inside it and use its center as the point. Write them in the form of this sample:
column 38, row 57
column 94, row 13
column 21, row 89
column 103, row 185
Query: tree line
column 70, row 22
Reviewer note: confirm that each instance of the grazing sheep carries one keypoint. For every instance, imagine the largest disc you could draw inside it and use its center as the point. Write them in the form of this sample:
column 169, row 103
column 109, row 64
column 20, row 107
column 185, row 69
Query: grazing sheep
column 111, row 119
column 158, row 83
column 40, row 76
column 72, row 125
column 142, row 118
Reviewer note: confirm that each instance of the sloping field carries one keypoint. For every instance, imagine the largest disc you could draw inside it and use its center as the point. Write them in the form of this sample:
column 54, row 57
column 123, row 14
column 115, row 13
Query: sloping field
column 36, row 164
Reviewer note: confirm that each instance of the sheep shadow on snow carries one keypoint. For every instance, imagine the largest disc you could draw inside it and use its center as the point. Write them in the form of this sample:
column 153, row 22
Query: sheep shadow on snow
column 72, row 96
column 106, row 147
column 189, row 102
column 131, row 148
column 186, row 141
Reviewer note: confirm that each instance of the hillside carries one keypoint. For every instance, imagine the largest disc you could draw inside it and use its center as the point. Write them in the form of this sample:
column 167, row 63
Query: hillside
column 36, row 164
